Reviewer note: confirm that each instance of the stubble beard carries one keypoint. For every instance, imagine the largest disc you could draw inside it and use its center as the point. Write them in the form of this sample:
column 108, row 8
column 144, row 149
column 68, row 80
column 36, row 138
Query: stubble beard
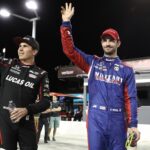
column 110, row 53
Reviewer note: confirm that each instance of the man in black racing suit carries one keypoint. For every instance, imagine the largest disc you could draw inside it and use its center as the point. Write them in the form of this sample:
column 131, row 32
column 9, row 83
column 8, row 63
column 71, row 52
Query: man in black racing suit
column 21, row 82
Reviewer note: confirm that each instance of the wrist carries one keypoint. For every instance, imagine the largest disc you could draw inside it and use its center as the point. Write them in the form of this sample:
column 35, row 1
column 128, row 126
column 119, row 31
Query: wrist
column 66, row 20
column 29, row 110
column 25, row 111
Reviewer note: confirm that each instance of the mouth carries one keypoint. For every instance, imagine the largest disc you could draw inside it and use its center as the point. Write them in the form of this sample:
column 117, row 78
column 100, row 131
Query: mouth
column 20, row 54
column 108, row 48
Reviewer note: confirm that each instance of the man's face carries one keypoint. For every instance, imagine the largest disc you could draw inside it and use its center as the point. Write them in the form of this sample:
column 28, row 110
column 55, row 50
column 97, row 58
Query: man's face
column 26, row 52
column 110, row 45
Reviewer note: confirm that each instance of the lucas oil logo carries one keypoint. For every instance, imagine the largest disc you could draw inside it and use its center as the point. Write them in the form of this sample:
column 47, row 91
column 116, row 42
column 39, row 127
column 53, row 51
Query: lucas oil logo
column 19, row 81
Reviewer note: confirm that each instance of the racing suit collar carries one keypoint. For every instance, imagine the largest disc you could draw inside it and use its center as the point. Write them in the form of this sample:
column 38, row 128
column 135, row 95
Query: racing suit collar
column 110, row 59
column 22, row 64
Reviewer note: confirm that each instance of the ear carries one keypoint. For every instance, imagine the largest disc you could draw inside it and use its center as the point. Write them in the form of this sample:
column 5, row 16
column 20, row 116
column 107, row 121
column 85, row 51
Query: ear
column 35, row 52
column 101, row 41
column 119, row 43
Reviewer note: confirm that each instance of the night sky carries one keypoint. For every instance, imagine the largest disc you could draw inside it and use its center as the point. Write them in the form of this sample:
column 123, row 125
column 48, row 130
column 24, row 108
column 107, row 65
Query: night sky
column 130, row 17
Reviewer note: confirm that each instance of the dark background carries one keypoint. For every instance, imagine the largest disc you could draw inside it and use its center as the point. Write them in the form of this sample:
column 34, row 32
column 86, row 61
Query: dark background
column 130, row 17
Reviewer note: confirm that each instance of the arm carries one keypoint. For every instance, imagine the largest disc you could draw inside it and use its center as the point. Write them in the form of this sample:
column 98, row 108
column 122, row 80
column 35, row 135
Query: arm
column 52, row 110
column 46, row 111
column 56, row 109
column 78, row 57
column 130, row 95
column 44, row 99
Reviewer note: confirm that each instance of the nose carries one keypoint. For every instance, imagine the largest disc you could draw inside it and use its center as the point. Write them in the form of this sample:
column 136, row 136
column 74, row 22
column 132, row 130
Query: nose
column 107, row 42
column 20, row 48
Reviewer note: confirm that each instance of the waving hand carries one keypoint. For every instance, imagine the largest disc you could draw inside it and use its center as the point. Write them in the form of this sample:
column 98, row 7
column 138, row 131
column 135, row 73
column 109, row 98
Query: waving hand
column 67, row 12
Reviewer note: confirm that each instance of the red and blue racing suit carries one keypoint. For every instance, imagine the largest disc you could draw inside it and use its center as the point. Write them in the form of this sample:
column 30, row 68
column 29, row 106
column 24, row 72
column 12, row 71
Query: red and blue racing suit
column 112, row 95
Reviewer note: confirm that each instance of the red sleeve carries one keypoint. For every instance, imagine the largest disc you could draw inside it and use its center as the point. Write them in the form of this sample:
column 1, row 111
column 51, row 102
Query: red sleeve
column 78, row 57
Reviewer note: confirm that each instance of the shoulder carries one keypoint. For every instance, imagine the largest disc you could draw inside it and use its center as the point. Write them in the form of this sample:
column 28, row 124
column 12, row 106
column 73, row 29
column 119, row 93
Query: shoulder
column 128, row 70
column 126, row 66
column 39, row 70
column 97, row 58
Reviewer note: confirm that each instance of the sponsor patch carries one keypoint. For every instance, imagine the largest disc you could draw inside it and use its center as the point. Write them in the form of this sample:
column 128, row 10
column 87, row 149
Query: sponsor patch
column 20, row 81
column 116, row 68
column 14, row 71
column 32, row 76
column 16, row 67
column 43, row 72
column 46, row 86
column 108, row 78
column 33, row 72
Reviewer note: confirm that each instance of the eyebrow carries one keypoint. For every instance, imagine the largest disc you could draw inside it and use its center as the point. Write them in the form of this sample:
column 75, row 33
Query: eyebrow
column 23, row 44
column 110, row 38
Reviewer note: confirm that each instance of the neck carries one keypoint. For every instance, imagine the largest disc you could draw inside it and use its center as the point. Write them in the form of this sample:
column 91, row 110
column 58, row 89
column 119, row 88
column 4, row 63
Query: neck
column 111, row 56
column 27, row 62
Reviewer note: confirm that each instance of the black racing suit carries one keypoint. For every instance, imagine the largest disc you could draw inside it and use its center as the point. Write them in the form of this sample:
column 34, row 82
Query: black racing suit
column 21, row 83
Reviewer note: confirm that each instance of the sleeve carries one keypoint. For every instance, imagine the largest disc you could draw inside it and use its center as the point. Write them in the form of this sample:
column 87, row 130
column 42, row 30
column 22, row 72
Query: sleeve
column 44, row 98
column 78, row 57
column 130, row 95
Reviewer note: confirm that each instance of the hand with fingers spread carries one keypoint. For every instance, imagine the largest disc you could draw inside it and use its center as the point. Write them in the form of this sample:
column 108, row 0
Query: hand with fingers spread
column 67, row 12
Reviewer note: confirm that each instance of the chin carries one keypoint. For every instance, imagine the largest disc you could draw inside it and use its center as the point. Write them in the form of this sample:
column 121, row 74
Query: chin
column 109, row 53
column 21, row 58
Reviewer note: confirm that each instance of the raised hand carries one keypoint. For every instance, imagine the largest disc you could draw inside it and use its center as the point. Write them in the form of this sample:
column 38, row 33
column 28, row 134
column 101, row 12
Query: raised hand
column 67, row 12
